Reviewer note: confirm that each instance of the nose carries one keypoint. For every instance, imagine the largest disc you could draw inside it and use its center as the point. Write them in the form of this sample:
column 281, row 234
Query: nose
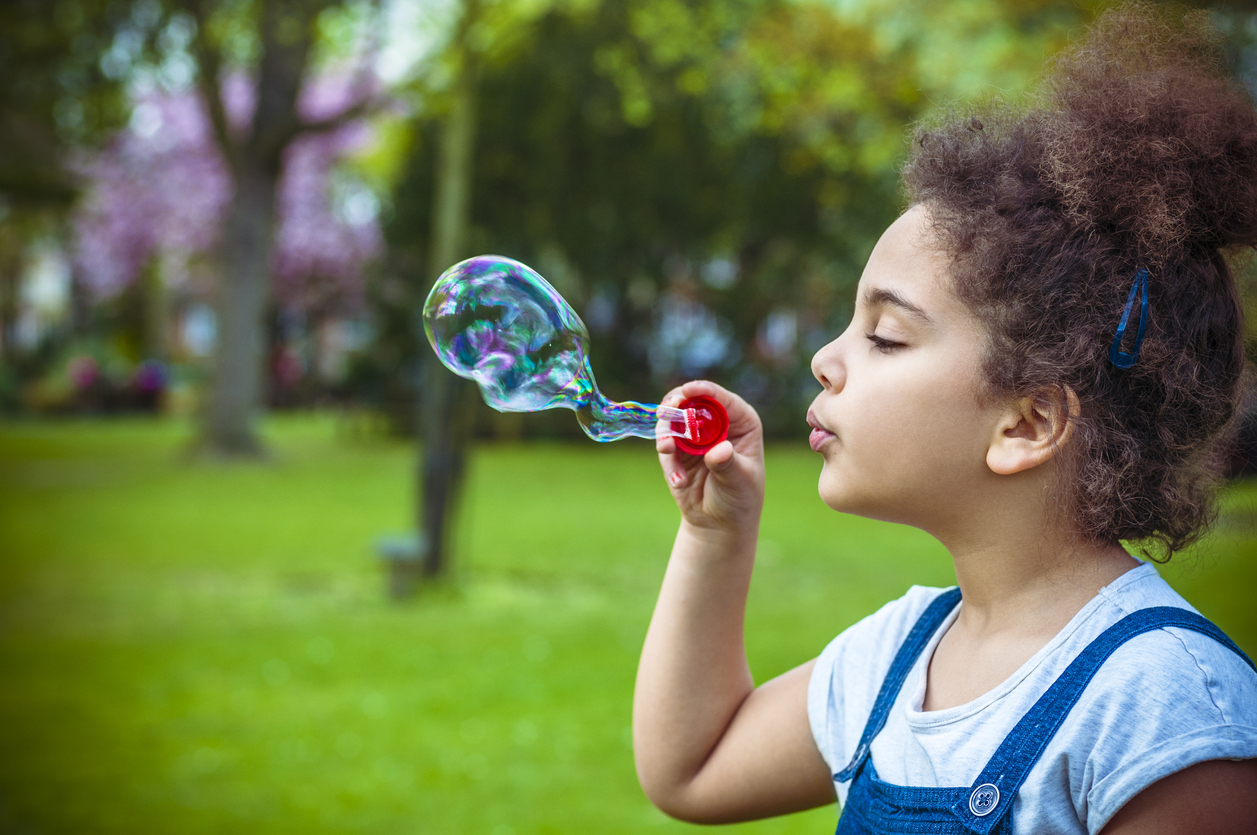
column 828, row 369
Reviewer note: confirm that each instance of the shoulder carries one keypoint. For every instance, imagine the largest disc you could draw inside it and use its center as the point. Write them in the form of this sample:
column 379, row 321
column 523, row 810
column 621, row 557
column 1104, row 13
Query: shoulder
column 851, row 668
column 1174, row 665
column 1218, row 796
column 1164, row 700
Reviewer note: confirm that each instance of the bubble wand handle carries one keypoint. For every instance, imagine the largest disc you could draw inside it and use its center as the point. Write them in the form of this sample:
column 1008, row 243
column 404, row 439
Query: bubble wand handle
column 699, row 423
column 606, row 420
column 496, row 321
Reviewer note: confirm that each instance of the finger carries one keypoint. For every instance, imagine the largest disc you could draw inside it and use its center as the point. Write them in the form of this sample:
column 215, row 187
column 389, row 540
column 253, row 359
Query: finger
column 696, row 387
column 673, row 462
column 742, row 418
column 673, row 471
column 720, row 457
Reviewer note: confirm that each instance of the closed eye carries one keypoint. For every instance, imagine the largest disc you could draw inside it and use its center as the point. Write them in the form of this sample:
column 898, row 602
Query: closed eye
column 883, row 345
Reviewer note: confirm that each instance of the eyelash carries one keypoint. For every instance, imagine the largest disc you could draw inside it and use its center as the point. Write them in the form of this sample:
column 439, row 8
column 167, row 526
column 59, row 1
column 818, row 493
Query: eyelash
column 883, row 345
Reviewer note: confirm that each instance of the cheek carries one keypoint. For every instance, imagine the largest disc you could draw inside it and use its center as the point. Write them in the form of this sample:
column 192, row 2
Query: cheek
column 899, row 407
column 906, row 432
column 883, row 427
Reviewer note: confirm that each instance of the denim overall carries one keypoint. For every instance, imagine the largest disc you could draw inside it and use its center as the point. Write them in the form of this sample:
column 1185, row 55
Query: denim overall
column 877, row 808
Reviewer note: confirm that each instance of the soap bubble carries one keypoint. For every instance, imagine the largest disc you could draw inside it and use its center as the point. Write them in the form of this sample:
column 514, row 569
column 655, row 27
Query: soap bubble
column 496, row 321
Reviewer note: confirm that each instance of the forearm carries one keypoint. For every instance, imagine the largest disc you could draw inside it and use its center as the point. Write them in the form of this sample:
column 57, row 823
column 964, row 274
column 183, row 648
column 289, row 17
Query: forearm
column 693, row 675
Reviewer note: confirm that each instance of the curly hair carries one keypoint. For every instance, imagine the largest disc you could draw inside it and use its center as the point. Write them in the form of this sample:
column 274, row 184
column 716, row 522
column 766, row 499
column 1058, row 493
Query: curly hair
column 1139, row 151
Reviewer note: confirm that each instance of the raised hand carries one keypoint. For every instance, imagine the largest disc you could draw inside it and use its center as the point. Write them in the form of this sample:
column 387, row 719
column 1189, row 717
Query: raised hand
column 722, row 490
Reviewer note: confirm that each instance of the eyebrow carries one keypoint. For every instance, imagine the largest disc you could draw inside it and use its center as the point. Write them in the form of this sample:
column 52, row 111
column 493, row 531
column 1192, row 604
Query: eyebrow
column 878, row 296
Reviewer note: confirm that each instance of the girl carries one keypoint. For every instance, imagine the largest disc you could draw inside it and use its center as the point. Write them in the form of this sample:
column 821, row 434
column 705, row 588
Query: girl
column 1045, row 360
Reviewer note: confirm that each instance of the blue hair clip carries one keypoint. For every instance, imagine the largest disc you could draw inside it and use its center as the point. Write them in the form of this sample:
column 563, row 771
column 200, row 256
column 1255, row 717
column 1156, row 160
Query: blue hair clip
column 1116, row 355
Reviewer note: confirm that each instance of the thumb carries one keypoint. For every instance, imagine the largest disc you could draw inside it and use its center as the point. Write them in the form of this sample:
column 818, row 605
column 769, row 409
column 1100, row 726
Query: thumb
column 719, row 458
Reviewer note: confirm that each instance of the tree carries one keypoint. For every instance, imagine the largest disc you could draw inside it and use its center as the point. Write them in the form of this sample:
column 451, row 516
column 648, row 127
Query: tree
column 58, row 94
column 738, row 155
column 159, row 190
column 446, row 402
column 255, row 157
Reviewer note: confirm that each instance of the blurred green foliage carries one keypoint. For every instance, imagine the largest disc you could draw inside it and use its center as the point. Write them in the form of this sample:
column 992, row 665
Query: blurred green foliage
column 62, row 64
column 201, row 649
column 738, row 154
column 62, row 61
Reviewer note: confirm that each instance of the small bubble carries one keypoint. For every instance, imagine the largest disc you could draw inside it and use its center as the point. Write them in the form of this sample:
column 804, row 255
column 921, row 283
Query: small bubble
column 473, row 730
column 243, row 701
column 767, row 553
column 630, row 640
column 321, row 650
column 526, row 732
column 385, row 767
column 206, row 760
column 375, row 704
column 276, row 672
column 349, row 745
column 477, row 766
column 536, row 649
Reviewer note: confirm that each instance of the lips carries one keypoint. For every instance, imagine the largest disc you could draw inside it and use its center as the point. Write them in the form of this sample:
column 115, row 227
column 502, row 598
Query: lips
column 820, row 436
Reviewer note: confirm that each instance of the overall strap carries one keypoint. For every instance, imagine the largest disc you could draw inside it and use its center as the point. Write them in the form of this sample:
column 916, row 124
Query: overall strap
column 991, row 795
column 918, row 637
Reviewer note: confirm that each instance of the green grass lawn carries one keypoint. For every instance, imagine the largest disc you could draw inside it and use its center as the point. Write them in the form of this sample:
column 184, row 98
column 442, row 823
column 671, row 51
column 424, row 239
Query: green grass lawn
column 193, row 647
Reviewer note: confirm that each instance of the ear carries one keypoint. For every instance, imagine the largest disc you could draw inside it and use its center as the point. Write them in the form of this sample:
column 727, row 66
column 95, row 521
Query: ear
column 1031, row 430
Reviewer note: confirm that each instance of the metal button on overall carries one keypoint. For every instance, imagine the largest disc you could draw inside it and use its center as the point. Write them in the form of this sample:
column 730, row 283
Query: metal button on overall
column 984, row 800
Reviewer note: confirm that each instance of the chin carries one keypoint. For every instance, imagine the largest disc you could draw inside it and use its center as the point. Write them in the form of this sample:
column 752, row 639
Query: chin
column 834, row 494
column 838, row 496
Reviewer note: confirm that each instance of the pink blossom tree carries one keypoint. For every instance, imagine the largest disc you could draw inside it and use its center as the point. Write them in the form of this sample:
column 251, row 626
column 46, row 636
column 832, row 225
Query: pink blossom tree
column 163, row 190
column 282, row 108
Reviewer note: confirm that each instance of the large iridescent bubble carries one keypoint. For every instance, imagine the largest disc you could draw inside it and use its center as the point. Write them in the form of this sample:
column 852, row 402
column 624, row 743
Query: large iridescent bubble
column 498, row 322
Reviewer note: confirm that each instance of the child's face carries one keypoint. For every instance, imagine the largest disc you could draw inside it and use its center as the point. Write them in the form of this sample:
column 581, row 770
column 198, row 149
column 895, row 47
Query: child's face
column 901, row 430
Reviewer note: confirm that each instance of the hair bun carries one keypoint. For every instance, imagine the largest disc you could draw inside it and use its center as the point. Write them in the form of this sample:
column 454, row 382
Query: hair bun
column 1149, row 139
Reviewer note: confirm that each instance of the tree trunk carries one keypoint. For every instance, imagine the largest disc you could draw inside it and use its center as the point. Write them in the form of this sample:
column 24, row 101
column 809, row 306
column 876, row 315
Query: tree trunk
column 156, row 319
column 8, row 310
column 235, row 396
column 448, row 406
column 447, row 402
column 285, row 29
column 10, row 270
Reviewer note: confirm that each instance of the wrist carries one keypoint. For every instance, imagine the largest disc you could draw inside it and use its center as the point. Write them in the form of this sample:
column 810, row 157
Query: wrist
column 725, row 540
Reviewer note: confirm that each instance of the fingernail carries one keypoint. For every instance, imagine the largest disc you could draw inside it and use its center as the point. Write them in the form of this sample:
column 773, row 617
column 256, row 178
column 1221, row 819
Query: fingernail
column 675, row 478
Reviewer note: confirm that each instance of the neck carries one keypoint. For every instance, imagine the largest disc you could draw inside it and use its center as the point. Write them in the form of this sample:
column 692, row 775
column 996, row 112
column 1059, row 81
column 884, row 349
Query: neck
column 1039, row 591
column 1025, row 573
